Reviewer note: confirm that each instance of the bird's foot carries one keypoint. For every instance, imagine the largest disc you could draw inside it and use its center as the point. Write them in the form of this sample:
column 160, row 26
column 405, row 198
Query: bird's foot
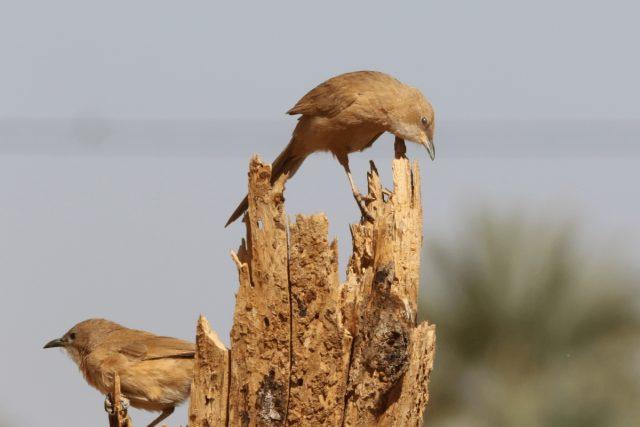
column 109, row 406
column 367, row 197
column 386, row 194
column 400, row 148
column 360, row 199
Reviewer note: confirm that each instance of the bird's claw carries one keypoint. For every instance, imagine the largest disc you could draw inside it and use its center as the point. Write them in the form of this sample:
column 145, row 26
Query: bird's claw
column 360, row 199
column 365, row 213
column 109, row 407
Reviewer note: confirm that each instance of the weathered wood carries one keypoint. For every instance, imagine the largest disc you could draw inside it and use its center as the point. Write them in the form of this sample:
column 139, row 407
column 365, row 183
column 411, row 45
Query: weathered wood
column 260, row 337
column 320, row 343
column 382, row 288
column 119, row 416
column 408, row 409
column 209, row 392
column 308, row 350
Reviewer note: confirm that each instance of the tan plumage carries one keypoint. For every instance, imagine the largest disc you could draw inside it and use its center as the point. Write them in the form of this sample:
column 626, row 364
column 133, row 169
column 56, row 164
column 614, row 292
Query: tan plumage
column 348, row 113
column 155, row 372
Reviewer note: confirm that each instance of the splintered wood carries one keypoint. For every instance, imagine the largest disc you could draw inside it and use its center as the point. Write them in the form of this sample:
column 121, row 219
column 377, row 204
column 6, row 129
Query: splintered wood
column 307, row 349
column 382, row 292
column 209, row 392
column 320, row 344
column 260, row 336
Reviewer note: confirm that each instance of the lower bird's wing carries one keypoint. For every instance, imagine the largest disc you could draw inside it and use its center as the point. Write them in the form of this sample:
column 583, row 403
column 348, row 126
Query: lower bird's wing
column 153, row 347
column 168, row 347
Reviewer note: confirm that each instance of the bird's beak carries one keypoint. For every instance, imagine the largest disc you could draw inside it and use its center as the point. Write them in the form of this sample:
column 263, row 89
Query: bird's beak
column 58, row 342
column 430, row 148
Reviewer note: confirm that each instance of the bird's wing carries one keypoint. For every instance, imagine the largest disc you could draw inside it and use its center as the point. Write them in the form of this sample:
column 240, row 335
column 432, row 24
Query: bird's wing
column 336, row 94
column 167, row 347
column 324, row 100
column 154, row 347
column 331, row 97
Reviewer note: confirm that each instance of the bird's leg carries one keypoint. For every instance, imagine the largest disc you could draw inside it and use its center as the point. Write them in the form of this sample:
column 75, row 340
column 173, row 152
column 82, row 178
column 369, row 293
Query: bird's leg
column 360, row 199
column 164, row 414
column 400, row 148
column 344, row 161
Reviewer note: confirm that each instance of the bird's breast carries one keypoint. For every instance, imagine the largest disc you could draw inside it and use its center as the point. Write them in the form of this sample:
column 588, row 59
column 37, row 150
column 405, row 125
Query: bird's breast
column 354, row 139
column 338, row 137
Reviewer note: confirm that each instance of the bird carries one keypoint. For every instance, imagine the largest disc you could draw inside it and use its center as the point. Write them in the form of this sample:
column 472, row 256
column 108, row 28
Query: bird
column 155, row 371
column 347, row 113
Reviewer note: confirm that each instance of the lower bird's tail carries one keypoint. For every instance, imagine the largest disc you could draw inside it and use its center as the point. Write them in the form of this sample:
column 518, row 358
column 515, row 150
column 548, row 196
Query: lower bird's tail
column 285, row 163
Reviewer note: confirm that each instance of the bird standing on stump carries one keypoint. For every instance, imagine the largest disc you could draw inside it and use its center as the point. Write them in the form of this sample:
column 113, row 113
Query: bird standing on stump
column 348, row 113
column 155, row 372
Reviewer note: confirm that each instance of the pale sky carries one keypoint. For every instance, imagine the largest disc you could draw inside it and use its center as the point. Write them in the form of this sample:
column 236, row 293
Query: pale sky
column 206, row 59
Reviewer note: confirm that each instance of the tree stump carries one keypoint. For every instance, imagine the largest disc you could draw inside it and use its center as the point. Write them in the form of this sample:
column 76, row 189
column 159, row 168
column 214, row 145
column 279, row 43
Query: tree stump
column 307, row 349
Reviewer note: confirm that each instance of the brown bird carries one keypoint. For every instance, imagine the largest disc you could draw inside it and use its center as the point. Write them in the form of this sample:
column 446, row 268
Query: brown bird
column 155, row 372
column 348, row 113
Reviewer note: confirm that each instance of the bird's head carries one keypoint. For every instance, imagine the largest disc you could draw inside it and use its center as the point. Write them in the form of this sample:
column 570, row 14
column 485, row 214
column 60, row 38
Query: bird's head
column 413, row 119
column 83, row 337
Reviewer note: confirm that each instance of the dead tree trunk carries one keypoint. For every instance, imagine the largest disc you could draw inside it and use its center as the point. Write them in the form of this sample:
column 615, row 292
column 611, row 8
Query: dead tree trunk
column 307, row 349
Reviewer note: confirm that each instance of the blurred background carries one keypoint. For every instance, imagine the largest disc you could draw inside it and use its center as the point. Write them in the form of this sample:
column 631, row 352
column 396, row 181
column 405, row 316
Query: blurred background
column 534, row 328
column 125, row 134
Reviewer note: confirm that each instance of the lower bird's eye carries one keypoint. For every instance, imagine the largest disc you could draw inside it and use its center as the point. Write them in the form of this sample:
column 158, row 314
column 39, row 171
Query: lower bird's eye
column 424, row 121
column 72, row 336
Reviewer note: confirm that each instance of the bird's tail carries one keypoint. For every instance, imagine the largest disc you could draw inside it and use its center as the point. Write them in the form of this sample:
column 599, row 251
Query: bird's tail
column 285, row 163
column 242, row 207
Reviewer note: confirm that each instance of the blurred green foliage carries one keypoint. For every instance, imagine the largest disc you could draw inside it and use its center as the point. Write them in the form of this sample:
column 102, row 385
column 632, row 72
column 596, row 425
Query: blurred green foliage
column 531, row 331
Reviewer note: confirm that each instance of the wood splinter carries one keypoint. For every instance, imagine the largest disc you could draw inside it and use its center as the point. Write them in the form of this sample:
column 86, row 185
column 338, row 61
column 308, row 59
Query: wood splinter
column 118, row 414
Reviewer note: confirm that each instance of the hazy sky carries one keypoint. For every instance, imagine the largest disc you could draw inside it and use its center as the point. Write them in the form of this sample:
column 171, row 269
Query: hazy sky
column 135, row 233
column 206, row 59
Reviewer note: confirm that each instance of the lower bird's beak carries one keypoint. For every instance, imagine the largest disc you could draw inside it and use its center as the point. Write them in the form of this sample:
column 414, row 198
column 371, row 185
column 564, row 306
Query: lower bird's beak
column 54, row 343
column 430, row 148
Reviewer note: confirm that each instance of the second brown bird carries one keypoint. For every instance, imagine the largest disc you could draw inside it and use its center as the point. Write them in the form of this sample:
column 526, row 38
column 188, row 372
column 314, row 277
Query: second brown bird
column 348, row 113
column 155, row 372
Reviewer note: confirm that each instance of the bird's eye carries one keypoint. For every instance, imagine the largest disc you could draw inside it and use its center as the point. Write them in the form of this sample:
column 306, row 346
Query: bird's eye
column 72, row 336
column 424, row 121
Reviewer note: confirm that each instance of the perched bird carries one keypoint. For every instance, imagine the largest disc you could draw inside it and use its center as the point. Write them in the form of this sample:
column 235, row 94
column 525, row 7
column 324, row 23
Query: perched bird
column 348, row 113
column 155, row 372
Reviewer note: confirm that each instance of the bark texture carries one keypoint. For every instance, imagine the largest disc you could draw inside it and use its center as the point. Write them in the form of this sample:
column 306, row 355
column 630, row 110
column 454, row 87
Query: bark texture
column 260, row 336
column 320, row 343
column 307, row 349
